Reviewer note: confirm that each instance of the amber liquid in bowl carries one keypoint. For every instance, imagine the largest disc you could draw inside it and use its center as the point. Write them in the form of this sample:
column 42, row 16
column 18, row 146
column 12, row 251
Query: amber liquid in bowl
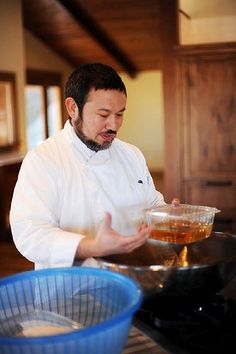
column 181, row 231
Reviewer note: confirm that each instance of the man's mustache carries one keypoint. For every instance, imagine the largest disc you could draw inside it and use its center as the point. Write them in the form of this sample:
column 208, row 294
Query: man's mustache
column 109, row 131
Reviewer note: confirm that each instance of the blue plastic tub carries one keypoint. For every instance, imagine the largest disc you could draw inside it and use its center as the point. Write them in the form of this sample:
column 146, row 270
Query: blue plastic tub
column 101, row 301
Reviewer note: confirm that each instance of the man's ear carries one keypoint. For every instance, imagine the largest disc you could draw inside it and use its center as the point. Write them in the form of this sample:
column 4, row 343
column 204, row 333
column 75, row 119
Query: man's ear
column 71, row 107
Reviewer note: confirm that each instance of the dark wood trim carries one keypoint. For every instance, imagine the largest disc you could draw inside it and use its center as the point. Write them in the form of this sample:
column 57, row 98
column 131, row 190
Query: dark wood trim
column 44, row 78
column 6, row 76
column 170, row 40
column 90, row 25
column 8, row 176
column 45, row 101
column 227, row 47
column 12, row 261
column 3, row 227
column 158, row 179
column 184, row 14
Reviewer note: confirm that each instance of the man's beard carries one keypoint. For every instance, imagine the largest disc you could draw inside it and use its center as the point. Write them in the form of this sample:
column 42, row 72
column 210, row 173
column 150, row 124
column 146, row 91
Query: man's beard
column 91, row 144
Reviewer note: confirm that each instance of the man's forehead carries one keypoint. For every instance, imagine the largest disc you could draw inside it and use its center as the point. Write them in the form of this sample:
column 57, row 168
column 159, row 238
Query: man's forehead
column 109, row 95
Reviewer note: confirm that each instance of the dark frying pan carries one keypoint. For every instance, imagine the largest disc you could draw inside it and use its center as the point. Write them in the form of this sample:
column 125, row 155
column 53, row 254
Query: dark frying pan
column 199, row 268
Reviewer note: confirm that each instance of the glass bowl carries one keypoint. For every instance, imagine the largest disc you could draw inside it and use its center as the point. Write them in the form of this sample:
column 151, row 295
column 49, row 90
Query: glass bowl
column 181, row 223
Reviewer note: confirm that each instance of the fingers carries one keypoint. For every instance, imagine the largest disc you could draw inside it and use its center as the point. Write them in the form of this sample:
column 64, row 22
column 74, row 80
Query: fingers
column 109, row 241
column 134, row 241
column 107, row 221
column 175, row 202
column 145, row 228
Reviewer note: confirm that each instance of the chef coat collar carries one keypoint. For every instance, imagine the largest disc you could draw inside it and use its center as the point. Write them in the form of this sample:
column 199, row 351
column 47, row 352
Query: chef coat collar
column 90, row 156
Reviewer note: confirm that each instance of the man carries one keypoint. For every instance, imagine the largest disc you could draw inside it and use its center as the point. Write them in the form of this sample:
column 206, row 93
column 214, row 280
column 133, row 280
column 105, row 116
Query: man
column 80, row 193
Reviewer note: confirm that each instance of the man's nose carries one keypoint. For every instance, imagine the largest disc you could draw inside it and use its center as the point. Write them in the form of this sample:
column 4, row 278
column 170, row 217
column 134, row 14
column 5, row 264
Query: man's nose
column 112, row 122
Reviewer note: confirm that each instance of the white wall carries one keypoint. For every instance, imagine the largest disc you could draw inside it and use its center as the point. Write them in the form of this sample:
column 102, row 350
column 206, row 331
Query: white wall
column 12, row 54
column 21, row 50
column 39, row 56
column 208, row 30
column 143, row 120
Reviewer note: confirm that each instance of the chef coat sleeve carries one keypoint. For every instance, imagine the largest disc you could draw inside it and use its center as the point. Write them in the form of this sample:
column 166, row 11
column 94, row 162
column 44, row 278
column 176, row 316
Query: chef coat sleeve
column 34, row 215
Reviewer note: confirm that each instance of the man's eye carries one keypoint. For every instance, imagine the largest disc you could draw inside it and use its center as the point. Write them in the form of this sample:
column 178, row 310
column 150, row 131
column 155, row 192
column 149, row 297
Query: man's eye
column 103, row 115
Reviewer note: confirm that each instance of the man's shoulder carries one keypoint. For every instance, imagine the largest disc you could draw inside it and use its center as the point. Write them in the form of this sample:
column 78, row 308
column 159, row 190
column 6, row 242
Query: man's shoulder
column 121, row 144
column 126, row 147
column 48, row 150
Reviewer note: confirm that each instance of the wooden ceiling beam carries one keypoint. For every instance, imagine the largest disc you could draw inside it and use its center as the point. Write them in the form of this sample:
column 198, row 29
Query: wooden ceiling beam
column 101, row 36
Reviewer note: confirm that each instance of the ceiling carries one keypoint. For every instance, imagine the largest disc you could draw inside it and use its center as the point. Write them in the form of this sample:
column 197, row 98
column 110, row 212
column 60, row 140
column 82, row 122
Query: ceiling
column 126, row 34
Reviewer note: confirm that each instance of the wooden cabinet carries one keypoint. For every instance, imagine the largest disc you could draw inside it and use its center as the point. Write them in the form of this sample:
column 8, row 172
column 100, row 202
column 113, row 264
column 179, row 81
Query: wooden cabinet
column 207, row 121
column 9, row 169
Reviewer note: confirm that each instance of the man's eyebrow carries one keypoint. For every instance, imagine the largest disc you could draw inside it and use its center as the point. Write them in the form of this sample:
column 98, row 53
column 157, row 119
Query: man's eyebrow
column 108, row 110
column 103, row 109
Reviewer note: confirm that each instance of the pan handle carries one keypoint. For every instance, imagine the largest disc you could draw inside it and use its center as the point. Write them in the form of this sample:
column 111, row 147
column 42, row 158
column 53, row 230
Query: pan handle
column 224, row 220
column 213, row 183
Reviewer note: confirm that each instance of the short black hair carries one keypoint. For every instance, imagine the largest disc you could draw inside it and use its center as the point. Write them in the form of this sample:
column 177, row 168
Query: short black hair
column 96, row 76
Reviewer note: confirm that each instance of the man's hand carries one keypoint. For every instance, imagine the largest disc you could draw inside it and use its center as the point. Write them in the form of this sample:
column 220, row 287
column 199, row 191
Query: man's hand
column 175, row 202
column 108, row 241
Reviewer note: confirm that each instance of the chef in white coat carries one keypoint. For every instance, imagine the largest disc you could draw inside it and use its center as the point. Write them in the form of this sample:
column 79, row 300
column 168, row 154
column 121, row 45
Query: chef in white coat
column 80, row 193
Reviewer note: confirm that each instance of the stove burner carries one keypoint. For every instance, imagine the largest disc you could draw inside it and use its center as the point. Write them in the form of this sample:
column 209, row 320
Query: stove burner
column 203, row 325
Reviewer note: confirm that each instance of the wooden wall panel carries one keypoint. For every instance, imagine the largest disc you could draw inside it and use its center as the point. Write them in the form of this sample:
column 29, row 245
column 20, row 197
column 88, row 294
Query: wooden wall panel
column 207, row 117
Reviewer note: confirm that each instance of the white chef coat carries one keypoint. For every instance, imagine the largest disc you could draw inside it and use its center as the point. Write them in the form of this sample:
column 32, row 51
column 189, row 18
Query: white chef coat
column 64, row 189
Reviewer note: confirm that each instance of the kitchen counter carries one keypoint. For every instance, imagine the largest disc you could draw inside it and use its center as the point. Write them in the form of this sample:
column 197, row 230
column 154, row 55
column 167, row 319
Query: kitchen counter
column 139, row 342
column 10, row 158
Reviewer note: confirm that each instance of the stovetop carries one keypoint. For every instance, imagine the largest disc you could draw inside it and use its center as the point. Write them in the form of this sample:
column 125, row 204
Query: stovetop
column 201, row 325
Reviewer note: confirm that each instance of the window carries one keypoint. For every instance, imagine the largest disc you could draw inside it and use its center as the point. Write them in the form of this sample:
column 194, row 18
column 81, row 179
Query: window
column 43, row 99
